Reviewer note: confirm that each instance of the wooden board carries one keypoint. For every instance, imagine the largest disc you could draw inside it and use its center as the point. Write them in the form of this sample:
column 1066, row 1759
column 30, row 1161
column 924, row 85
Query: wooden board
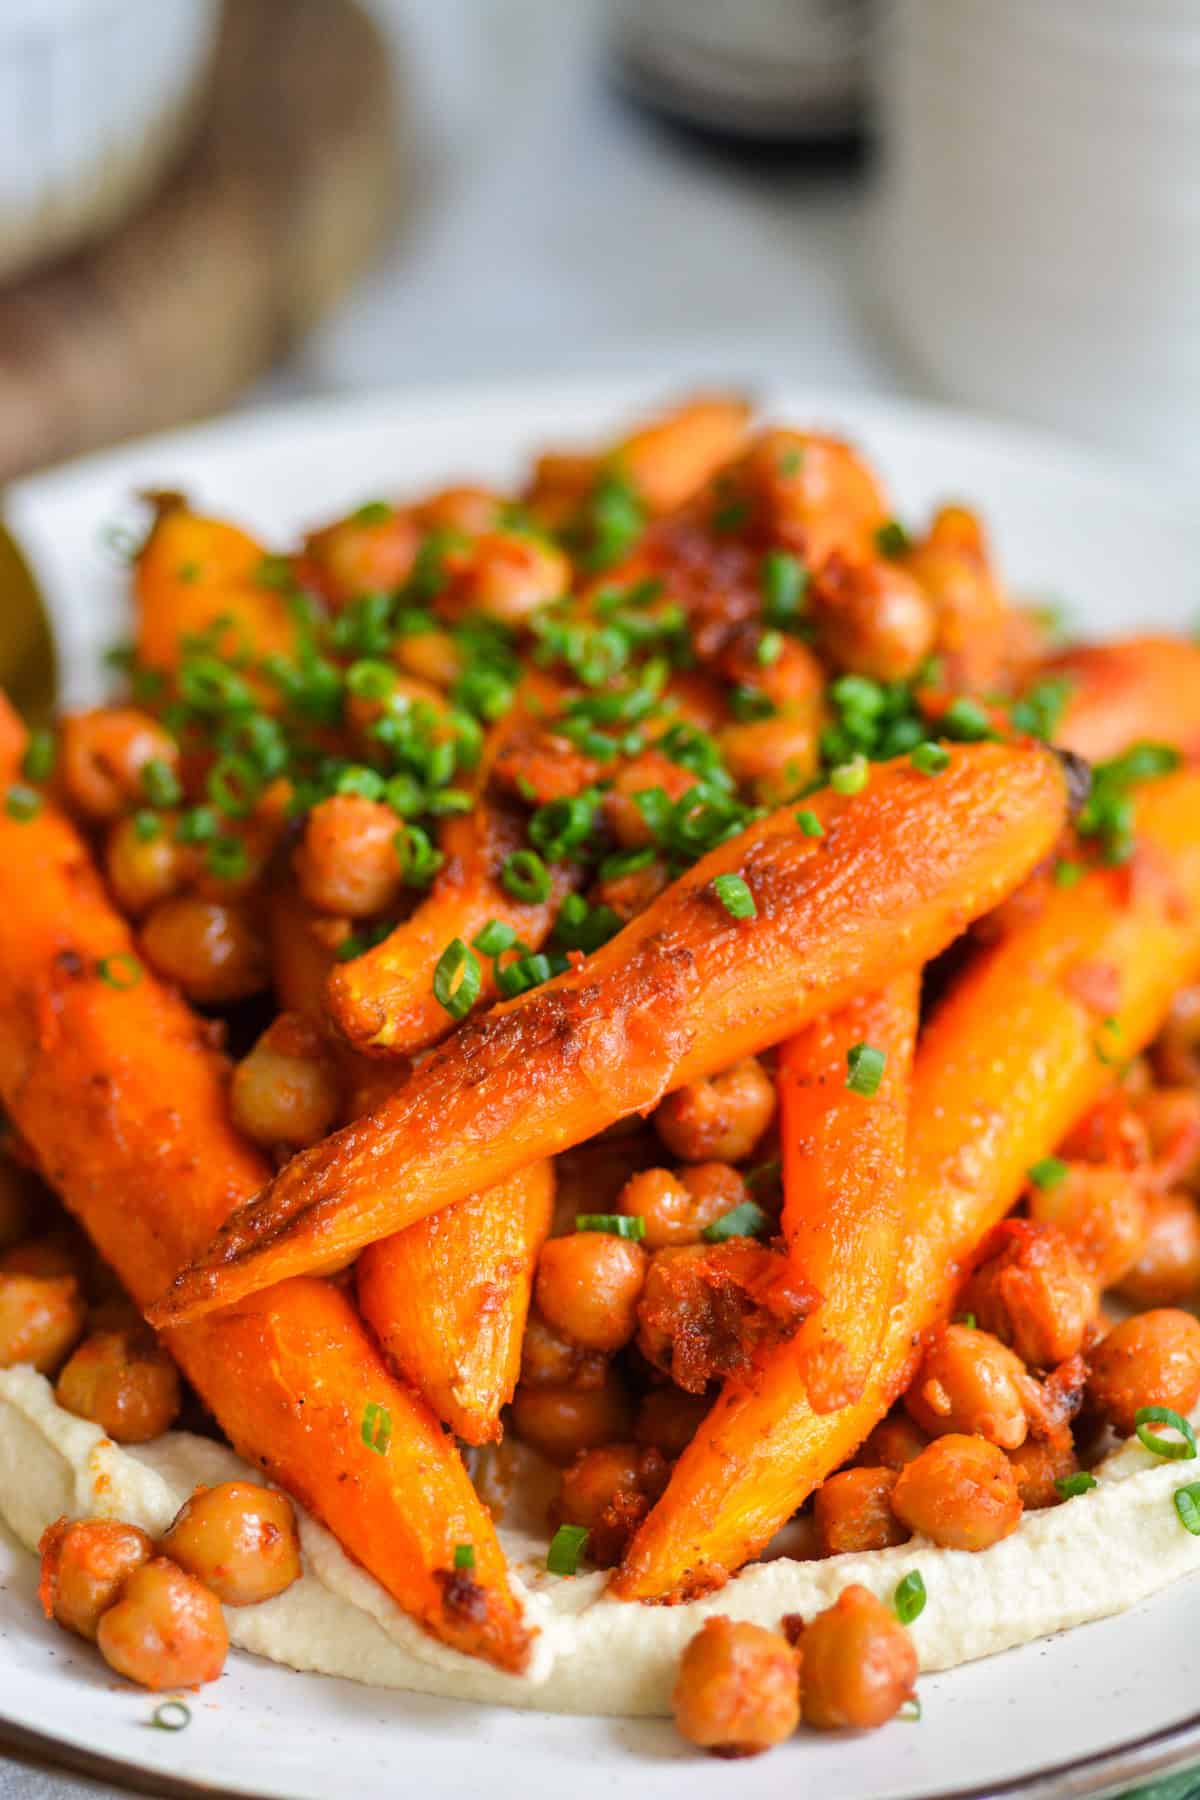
column 283, row 195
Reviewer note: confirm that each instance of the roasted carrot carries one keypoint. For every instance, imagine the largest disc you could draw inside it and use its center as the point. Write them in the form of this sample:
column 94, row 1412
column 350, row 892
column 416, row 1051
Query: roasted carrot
column 107, row 1075
column 1010, row 1061
column 448, row 1298
column 1146, row 687
column 684, row 990
column 195, row 577
column 843, row 1147
column 384, row 1000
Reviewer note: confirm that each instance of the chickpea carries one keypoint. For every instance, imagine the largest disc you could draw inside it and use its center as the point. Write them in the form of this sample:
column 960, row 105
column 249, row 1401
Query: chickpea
column 1101, row 1211
column 872, row 617
column 431, row 656
column 124, row 1383
column 550, row 1360
column 286, row 1091
column 651, row 769
column 359, row 556
column 631, row 893
column 239, row 1539
column 560, row 1422
column 513, row 574
column 468, row 509
column 1176, row 1055
column 961, row 1491
column 610, row 1490
column 347, row 861
column 40, row 1319
column 1150, row 1360
column 720, row 1119
column 142, row 871
column 895, row 1442
column 969, row 1381
column 103, row 755
column 668, row 1419
column 859, row 1664
column 1032, row 1292
column 1038, row 1463
column 813, row 493
column 1167, row 1272
column 166, row 1630
column 677, row 1208
column 772, row 758
column 85, row 1565
column 853, row 1511
column 738, row 1689
column 588, row 1285
column 215, row 953
column 1171, row 1116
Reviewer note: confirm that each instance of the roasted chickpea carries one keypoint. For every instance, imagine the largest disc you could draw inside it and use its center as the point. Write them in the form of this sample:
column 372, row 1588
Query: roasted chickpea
column 721, row 1119
column 560, row 1422
column 738, row 1688
column 1032, row 1292
column 676, row 1208
column 853, row 1511
column 214, row 953
column 104, row 754
column 1176, row 1055
column 872, row 617
column 40, row 1319
column 548, row 1359
column 1101, row 1211
column 610, row 1490
column 1152, row 1359
column 85, row 1565
column 772, row 758
column 969, row 1381
column 813, row 493
column 239, row 1539
column 123, row 1382
column 512, row 575
column 1168, row 1270
column 961, row 1491
column 895, row 1442
column 1171, row 1116
column 588, row 1285
column 141, row 869
column 431, row 656
column 859, row 1664
column 668, row 1419
column 1038, row 1464
column 166, row 1630
column 286, row 1091
column 363, row 555
column 651, row 769
column 467, row 509
column 347, row 861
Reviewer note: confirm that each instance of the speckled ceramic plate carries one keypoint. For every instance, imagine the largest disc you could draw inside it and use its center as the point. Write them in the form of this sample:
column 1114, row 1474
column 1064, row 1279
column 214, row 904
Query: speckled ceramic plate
column 1101, row 1709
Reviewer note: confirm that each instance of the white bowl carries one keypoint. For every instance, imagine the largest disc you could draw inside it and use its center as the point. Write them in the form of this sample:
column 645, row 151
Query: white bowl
column 95, row 96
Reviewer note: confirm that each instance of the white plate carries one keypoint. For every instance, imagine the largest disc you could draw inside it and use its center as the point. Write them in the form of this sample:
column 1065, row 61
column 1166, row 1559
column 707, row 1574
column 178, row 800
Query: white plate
column 1090, row 1711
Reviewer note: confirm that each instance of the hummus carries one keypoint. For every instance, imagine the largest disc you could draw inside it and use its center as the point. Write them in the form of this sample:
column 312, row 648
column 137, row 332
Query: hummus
column 1097, row 1554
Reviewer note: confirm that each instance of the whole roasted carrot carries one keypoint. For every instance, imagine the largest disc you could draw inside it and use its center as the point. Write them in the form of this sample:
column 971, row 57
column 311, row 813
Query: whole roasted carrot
column 844, row 1086
column 1145, row 687
column 900, row 870
column 1010, row 1061
column 448, row 1298
column 108, row 1076
column 384, row 1000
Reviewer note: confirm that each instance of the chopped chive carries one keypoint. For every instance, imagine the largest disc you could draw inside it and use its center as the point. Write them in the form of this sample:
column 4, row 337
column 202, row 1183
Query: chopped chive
column 227, row 857
column 850, row 777
column 966, row 721
column 22, row 803
column 930, row 759
column 910, row 1712
column 121, row 970
column 146, row 826
column 968, row 1320
column 1187, row 1505
column 809, row 823
column 783, row 579
column 526, row 877
column 909, row 1598
column 735, row 896
column 566, row 1548
column 1180, row 1449
column 891, row 539
column 171, row 1715
column 372, row 512
column 1071, row 1486
column 865, row 1065
column 1067, row 874
column 746, row 1220
column 626, row 862
column 769, row 648
column 625, row 1225
column 562, row 825
column 1048, row 1171
column 457, row 979
column 464, row 1556
column 495, row 938
column 160, row 783
column 41, row 752
column 377, row 1428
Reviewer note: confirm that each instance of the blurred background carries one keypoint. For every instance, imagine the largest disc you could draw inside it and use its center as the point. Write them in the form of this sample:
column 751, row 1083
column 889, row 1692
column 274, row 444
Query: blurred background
column 206, row 205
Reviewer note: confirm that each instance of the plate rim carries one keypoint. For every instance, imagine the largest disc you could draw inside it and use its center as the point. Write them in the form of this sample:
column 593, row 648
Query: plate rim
column 1115, row 1769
